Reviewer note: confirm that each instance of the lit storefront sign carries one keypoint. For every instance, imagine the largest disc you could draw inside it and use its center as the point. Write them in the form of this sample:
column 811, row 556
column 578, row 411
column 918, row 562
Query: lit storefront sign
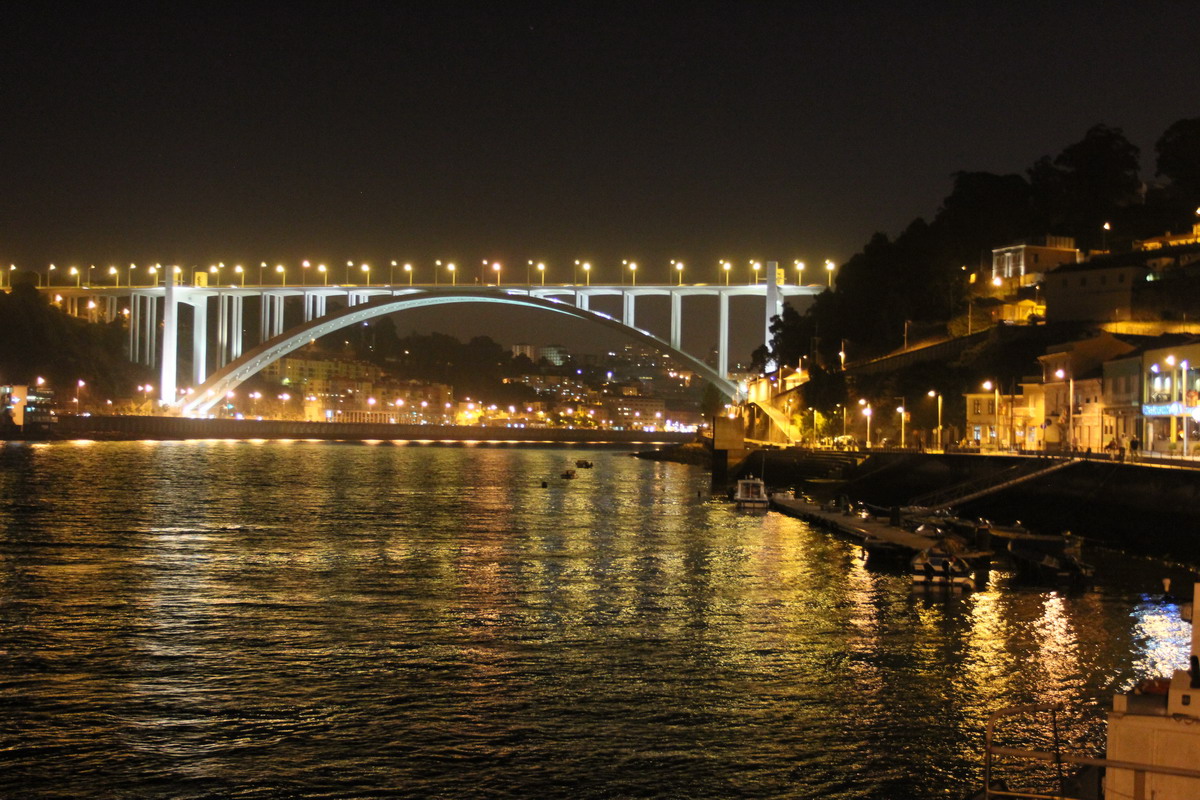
column 1176, row 409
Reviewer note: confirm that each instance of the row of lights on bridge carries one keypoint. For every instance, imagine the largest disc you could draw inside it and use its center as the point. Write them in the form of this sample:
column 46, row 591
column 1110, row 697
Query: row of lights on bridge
column 450, row 269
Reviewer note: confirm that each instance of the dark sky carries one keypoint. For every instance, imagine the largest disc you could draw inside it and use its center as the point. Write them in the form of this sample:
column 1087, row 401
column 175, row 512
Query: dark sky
column 191, row 133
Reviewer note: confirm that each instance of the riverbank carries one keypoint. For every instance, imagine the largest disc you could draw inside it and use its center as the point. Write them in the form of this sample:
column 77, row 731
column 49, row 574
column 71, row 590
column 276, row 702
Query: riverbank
column 126, row 428
column 1147, row 509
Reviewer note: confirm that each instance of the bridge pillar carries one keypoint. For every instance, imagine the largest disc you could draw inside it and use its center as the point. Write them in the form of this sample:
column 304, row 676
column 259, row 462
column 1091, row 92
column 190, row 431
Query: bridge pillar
column 774, row 306
column 150, row 331
column 110, row 309
column 168, row 376
column 277, row 315
column 723, row 336
column 628, row 312
column 199, row 306
column 676, row 319
column 222, row 330
column 236, row 309
column 135, row 321
column 582, row 300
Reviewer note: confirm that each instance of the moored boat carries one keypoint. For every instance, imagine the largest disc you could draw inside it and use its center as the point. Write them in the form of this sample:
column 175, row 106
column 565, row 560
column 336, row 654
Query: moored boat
column 751, row 493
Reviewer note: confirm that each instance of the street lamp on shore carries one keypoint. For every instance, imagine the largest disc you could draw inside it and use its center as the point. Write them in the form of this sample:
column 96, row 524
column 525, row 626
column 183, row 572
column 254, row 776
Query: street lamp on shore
column 902, row 412
column 866, row 413
column 994, row 386
column 938, row 395
column 829, row 268
column 799, row 272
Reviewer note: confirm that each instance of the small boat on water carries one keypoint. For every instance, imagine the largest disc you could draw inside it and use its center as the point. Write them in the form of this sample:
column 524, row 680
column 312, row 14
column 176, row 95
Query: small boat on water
column 568, row 474
column 751, row 493
column 1054, row 558
column 938, row 566
column 583, row 463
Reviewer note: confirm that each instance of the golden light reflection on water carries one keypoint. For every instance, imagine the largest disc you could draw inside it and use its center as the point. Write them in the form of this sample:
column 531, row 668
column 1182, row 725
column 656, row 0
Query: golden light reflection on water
column 445, row 593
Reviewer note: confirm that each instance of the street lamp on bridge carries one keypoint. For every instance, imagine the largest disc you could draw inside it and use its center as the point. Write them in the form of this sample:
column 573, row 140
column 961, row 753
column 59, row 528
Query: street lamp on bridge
column 496, row 269
column 678, row 265
column 238, row 270
column 408, row 268
column 78, row 276
column 541, row 268
column 282, row 274
column 324, row 273
column 366, row 271
column 727, row 267
column 454, row 274
column 632, row 270
column 116, row 276
column 829, row 268
column 799, row 272
column 755, row 266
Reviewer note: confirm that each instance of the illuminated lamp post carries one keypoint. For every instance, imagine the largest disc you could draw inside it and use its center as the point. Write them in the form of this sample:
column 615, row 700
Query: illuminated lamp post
column 799, row 272
column 938, row 395
column 78, row 276
column 900, row 410
column 678, row 265
column 282, row 274
column 994, row 386
column 366, row 271
column 587, row 273
column 454, row 274
column 829, row 268
column 541, row 268
column 408, row 268
column 116, row 276
column 726, row 267
column 755, row 266
column 238, row 270
column 867, row 413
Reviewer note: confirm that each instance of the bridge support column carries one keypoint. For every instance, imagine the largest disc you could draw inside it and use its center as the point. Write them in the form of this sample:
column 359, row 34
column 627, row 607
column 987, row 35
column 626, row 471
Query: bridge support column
column 110, row 309
column 582, row 300
column 168, row 376
column 135, row 323
column 723, row 336
column 264, row 317
column 199, row 306
column 222, row 330
column 277, row 315
column 676, row 319
column 310, row 304
column 237, row 325
column 628, row 311
column 774, row 307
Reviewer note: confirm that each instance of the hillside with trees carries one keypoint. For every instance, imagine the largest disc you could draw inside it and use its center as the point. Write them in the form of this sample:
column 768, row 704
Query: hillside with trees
column 919, row 277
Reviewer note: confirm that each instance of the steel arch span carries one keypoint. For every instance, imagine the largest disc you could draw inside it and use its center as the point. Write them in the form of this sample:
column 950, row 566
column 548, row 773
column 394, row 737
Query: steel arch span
column 250, row 363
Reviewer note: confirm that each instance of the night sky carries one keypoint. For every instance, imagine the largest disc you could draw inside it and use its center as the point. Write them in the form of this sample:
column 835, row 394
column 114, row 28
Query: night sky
column 192, row 133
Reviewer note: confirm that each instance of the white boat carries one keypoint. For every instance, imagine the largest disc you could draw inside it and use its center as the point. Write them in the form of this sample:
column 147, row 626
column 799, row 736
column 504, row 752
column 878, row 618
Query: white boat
column 751, row 493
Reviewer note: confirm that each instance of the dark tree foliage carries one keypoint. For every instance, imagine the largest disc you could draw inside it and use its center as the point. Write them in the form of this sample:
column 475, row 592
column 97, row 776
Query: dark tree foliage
column 1178, row 160
column 1088, row 183
column 40, row 340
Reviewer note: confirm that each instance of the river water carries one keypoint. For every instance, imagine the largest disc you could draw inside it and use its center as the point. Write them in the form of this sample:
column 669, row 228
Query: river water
column 311, row 619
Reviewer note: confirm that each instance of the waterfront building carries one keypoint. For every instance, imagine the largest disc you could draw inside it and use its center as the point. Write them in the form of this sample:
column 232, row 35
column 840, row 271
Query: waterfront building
column 1171, row 398
column 1006, row 421
column 1095, row 291
column 1122, row 399
column 635, row 413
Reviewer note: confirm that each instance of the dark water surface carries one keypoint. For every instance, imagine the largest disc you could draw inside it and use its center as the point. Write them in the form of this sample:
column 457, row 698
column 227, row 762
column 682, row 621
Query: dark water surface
column 237, row 619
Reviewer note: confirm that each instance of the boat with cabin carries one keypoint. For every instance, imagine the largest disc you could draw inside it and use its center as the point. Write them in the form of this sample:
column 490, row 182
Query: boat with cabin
column 751, row 493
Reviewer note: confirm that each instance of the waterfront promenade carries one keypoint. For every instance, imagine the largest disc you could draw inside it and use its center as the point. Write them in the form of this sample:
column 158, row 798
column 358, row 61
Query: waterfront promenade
column 148, row 427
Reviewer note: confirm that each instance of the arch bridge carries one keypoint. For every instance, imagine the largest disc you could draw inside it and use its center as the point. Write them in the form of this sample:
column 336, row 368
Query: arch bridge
column 154, row 321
